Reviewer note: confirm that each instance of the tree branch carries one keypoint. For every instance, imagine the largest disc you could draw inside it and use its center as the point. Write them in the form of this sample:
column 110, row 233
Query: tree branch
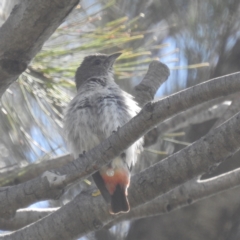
column 20, row 175
column 49, row 185
column 90, row 213
column 232, row 110
column 198, row 114
column 156, row 75
column 25, row 217
column 23, row 34
column 184, row 195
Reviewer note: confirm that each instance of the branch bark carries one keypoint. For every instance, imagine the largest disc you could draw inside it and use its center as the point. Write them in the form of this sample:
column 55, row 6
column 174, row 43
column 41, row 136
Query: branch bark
column 90, row 213
column 232, row 110
column 20, row 175
column 23, row 34
column 24, row 217
column 184, row 195
column 193, row 115
column 50, row 185
column 156, row 75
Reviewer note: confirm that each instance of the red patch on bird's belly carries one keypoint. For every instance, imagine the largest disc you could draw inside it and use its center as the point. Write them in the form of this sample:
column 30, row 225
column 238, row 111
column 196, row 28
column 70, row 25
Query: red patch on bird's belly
column 121, row 177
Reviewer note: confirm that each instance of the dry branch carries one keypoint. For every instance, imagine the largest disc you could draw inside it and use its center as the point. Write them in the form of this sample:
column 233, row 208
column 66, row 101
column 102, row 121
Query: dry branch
column 195, row 115
column 156, row 75
column 23, row 34
column 91, row 213
column 42, row 188
column 232, row 110
column 184, row 195
column 24, row 217
column 23, row 174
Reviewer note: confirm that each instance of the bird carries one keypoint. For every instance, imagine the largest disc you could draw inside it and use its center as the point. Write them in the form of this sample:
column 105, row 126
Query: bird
column 99, row 108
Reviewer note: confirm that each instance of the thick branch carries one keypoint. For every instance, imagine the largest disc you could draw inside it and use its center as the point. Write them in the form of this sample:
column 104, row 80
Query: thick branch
column 150, row 116
column 90, row 213
column 24, row 217
column 23, row 34
column 156, row 75
column 20, row 175
column 198, row 114
column 50, row 184
column 232, row 110
column 184, row 195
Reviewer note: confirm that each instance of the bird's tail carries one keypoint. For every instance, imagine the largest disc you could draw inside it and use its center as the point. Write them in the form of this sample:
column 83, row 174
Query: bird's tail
column 119, row 201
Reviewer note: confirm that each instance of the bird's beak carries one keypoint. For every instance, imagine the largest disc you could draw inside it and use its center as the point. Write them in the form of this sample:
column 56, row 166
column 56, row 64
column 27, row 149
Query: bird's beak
column 112, row 58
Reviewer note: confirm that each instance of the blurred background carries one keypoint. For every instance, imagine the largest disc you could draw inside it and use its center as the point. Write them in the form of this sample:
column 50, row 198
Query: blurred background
column 197, row 40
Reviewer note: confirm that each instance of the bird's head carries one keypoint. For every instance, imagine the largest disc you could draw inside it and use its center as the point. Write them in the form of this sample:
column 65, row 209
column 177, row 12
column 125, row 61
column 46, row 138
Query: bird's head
column 95, row 66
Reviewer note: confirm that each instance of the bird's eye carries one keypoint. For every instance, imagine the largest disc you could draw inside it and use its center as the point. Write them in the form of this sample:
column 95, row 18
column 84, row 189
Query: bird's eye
column 97, row 62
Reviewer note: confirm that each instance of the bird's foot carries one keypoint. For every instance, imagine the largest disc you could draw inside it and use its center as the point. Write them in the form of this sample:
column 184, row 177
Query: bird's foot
column 96, row 193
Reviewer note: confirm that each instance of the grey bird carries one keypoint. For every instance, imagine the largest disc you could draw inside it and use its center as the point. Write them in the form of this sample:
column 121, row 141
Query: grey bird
column 99, row 108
